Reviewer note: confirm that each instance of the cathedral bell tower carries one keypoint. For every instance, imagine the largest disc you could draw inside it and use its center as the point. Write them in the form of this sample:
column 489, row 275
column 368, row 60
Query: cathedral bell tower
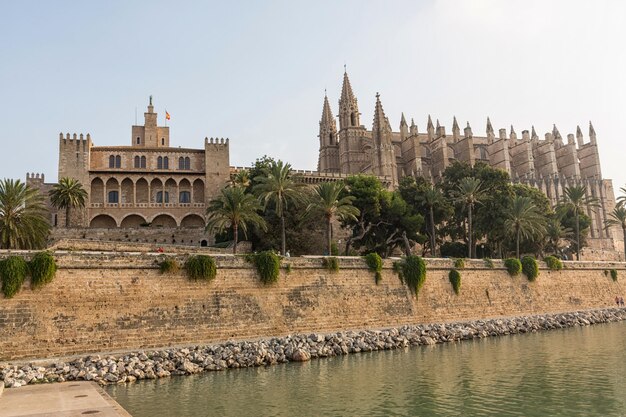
column 329, row 148
column 351, row 133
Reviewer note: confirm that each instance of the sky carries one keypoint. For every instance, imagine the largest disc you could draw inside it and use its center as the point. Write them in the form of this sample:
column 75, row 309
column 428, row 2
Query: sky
column 256, row 71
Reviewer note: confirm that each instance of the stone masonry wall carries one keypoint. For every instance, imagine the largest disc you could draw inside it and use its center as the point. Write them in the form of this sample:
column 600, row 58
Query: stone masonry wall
column 111, row 302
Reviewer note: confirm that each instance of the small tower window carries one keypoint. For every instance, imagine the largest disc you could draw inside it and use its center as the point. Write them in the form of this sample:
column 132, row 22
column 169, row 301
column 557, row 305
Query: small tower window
column 118, row 161
column 166, row 162
column 162, row 141
column 112, row 161
column 352, row 119
column 138, row 140
column 330, row 139
column 137, row 162
column 143, row 162
column 181, row 163
column 187, row 163
column 160, row 162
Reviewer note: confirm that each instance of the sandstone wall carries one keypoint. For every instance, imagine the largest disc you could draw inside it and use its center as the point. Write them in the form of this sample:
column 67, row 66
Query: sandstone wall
column 108, row 302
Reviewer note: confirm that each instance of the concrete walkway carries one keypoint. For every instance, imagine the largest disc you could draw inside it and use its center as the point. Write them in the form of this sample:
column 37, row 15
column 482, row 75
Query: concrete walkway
column 68, row 399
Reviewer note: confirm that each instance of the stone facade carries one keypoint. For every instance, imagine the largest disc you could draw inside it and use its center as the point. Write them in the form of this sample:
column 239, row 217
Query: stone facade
column 148, row 183
column 549, row 164
column 102, row 302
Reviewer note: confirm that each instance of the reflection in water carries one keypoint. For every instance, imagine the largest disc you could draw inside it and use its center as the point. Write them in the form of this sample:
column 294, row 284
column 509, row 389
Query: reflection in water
column 574, row 372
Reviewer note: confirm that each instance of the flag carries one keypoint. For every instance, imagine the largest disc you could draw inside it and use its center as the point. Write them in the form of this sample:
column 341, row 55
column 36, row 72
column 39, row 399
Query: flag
column 167, row 115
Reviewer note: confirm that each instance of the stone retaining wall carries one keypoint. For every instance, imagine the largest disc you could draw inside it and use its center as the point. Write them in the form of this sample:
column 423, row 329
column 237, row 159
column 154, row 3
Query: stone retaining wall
column 101, row 302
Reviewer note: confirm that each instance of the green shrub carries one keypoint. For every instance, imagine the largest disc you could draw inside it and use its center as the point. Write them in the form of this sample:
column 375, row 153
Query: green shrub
column 287, row 268
column 267, row 264
column 331, row 263
column 513, row 266
column 201, row 267
column 459, row 263
column 530, row 267
column 375, row 264
column 553, row 263
column 488, row 263
column 614, row 274
column 334, row 250
column 169, row 266
column 397, row 268
column 12, row 273
column 42, row 268
column 455, row 280
column 414, row 273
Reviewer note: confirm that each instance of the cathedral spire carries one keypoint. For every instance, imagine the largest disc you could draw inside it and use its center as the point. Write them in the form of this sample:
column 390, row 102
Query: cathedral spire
column 592, row 133
column 579, row 136
column 381, row 122
column 430, row 129
column 403, row 121
column 555, row 133
column 413, row 127
column 489, row 127
column 348, row 106
column 456, row 130
column 533, row 134
column 327, row 114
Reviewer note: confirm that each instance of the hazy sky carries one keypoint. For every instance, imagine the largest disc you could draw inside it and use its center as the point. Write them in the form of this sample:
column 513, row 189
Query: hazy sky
column 256, row 71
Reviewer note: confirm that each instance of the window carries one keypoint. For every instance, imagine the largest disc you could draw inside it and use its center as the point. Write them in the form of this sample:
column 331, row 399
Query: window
column 166, row 162
column 185, row 197
column 137, row 162
column 138, row 140
column 187, row 163
column 111, row 161
column 160, row 162
column 143, row 162
column 352, row 119
column 162, row 141
column 330, row 139
column 113, row 197
column 159, row 197
column 181, row 163
column 118, row 161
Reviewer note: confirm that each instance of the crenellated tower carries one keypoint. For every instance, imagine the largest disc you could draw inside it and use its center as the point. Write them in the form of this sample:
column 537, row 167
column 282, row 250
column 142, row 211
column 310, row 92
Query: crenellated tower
column 74, row 162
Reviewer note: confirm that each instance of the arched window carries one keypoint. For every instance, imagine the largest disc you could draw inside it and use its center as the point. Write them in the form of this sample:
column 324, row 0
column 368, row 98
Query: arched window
column 162, row 141
column 118, row 161
column 330, row 139
column 181, row 163
column 160, row 162
column 111, row 161
column 138, row 140
column 166, row 162
column 113, row 197
column 159, row 197
column 187, row 163
column 143, row 162
column 352, row 119
column 137, row 162
column 185, row 197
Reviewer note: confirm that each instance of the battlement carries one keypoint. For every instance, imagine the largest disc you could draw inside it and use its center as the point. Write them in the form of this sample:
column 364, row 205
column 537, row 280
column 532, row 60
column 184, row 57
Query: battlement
column 35, row 178
column 216, row 141
column 74, row 137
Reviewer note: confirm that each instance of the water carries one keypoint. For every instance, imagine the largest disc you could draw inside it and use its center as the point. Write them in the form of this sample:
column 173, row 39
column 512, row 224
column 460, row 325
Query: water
column 573, row 372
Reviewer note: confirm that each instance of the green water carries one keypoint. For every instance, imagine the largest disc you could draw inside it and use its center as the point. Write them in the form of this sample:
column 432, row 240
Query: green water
column 574, row 372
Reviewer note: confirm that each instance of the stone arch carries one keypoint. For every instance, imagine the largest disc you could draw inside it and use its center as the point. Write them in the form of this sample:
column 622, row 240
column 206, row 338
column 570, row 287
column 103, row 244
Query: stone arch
column 141, row 191
column 103, row 221
column 97, row 191
column 155, row 186
column 132, row 221
column 128, row 191
column 184, row 191
column 112, row 189
column 198, row 191
column 171, row 188
column 192, row 221
column 164, row 220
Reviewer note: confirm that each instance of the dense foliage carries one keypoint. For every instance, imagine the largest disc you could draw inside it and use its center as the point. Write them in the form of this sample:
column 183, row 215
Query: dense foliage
column 201, row 267
column 375, row 264
column 267, row 264
column 530, row 267
column 331, row 263
column 459, row 263
column 23, row 216
column 412, row 272
column 169, row 266
column 13, row 271
column 553, row 263
column 42, row 269
column 614, row 274
column 455, row 279
column 513, row 266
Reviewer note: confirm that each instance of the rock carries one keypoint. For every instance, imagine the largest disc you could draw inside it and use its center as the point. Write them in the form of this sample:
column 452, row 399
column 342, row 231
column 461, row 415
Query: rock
column 300, row 355
column 109, row 377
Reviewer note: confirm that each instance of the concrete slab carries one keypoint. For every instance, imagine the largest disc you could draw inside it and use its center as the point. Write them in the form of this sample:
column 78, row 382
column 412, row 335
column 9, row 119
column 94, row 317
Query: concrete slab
column 68, row 399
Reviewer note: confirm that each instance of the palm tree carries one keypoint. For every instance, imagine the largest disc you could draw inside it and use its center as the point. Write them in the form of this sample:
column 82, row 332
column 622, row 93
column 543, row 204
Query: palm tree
column 524, row 219
column 575, row 198
column 68, row 193
column 241, row 178
column 234, row 208
column 618, row 218
column 277, row 186
column 554, row 233
column 326, row 200
column 430, row 198
column 23, row 223
column 469, row 192
column 621, row 200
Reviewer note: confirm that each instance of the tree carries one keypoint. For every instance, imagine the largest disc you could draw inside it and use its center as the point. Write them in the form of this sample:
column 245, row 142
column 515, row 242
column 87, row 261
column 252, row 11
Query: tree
column 469, row 192
column 621, row 200
column 68, row 193
column 575, row 198
column 524, row 219
column 23, row 223
column 618, row 218
column 241, row 178
column 555, row 232
column 430, row 198
column 277, row 186
column 367, row 191
column 327, row 200
column 236, row 209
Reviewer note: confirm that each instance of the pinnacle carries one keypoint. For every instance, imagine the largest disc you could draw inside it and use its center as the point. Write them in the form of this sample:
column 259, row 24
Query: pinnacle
column 533, row 134
column 403, row 120
column 327, row 114
column 489, row 126
column 412, row 122
column 512, row 130
column 438, row 125
column 579, row 132
column 555, row 132
column 346, row 89
column 380, row 120
column 455, row 124
column 592, row 131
